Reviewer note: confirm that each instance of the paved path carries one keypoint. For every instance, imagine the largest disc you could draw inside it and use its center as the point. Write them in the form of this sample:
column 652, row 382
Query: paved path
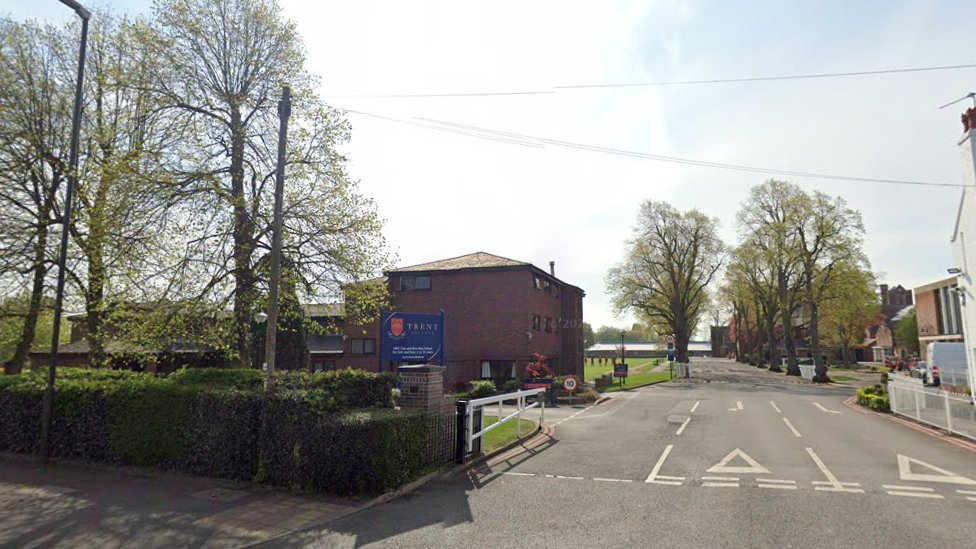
column 743, row 459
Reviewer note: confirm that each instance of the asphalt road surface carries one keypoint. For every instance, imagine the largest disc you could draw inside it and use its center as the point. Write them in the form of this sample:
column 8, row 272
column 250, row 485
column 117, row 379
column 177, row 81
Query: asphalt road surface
column 744, row 460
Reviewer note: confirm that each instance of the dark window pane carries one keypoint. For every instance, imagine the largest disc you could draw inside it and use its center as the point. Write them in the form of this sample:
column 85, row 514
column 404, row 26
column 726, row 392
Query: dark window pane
column 422, row 283
column 407, row 283
column 357, row 346
column 369, row 346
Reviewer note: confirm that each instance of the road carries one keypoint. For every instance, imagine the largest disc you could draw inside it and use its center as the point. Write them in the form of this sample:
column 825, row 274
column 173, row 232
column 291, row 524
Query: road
column 744, row 460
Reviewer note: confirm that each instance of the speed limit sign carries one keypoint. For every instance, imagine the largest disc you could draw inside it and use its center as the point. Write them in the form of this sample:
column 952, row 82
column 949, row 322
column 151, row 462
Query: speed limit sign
column 570, row 384
column 669, row 338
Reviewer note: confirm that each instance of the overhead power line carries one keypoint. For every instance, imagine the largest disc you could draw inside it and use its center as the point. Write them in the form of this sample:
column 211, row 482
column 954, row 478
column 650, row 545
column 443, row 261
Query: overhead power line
column 541, row 142
column 570, row 87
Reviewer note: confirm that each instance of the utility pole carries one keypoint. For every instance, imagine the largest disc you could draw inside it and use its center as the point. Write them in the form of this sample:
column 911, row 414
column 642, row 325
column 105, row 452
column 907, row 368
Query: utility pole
column 284, row 111
column 48, row 402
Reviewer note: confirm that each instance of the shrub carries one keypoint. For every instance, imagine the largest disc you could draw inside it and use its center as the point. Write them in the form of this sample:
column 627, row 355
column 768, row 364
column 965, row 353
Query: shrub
column 874, row 397
column 244, row 378
column 483, row 388
column 512, row 385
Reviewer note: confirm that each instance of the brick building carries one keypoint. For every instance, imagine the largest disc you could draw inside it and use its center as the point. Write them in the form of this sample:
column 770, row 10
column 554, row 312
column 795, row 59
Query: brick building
column 939, row 313
column 895, row 304
column 498, row 313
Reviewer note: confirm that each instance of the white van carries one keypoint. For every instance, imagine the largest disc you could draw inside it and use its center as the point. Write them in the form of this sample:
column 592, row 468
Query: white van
column 949, row 358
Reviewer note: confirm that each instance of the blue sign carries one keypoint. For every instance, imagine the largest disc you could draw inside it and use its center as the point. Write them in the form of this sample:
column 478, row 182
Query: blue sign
column 670, row 357
column 411, row 337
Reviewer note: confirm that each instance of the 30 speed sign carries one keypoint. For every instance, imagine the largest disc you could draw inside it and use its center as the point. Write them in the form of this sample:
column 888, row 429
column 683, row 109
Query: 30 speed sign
column 570, row 384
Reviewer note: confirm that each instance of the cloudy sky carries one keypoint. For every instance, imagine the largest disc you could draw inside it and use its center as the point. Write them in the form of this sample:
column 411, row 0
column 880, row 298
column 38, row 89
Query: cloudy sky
column 449, row 193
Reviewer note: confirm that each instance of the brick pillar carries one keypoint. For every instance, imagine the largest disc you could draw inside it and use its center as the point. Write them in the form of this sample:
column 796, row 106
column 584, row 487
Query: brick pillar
column 422, row 388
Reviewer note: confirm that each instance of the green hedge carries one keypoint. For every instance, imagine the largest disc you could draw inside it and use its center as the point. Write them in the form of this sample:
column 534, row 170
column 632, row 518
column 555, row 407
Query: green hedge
column 874, row 397
column 223, row 424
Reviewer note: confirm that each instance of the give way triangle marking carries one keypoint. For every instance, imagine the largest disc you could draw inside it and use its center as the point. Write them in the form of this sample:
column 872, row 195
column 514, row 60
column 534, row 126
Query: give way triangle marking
column 753, row 468
column 905, row 472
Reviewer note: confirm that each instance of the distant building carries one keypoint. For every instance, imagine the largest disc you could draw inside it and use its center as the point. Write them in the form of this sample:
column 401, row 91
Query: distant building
column 939, row 313
column 895, row 304
column 722, row 342
column 644, row 349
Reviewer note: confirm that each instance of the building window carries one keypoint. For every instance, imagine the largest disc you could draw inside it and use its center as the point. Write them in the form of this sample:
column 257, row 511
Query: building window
column 410, row 283
column 547, row 286
column 498, row 370
column 557, row 290
column 536, row 322
column 323, row 365
column 549, row 324
column 364, row 346
column 536, row 283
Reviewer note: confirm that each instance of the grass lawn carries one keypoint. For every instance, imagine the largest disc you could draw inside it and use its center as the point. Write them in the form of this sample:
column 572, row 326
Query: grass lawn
column 505, row 434
column 842, row 378
column 592, row 370
column 635, row 380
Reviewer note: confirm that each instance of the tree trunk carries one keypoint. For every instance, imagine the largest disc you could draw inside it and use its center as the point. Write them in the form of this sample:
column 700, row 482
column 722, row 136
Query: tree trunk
column 820, row 373
column 243, row 246
column 774, row 361
column 16, row 364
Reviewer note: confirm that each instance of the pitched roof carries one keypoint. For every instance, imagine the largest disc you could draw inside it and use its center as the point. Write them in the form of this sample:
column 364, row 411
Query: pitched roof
column 477, row 260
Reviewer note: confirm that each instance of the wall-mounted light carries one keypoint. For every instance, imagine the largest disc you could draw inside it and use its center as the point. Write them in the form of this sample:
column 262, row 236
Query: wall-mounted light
column 954, row 270
column 260, row 317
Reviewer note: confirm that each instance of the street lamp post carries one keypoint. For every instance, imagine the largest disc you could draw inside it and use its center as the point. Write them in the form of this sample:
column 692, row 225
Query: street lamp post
column 284, row 111
column 45, row 446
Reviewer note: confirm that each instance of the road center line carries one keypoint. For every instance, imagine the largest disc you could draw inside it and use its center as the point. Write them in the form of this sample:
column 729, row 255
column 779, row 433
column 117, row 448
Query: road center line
column 659, row 464
column 775, row 407
column 727, row 479
column 683, row 425
column 917, row 495
column 776, row 480
column 907, row 488
column 792, row 428
column 779, row 486
column 519, row 474
column 695, row 407
column 968, row 492
column 721, row 484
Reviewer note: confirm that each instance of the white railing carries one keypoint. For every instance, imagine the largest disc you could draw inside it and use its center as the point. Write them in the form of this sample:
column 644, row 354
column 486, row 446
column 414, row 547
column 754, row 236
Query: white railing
column 520, row 399
column 952, row 412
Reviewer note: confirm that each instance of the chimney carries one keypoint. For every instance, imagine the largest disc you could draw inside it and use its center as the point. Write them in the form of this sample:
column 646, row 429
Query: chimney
column 968, row 120
column 552, row 268
column 884, row 294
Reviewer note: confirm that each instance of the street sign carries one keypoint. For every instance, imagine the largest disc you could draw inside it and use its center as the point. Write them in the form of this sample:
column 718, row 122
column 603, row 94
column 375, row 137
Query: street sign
column 539, row 383
column 669, row 339
column 569, row 384
column 620, row 370
column 670, row 357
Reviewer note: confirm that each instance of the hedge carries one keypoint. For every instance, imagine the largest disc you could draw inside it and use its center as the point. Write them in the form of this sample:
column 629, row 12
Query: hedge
column 221, row 423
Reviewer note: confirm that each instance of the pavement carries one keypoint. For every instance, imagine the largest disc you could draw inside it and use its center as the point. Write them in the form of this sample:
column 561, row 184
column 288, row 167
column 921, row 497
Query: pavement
column 736, row 458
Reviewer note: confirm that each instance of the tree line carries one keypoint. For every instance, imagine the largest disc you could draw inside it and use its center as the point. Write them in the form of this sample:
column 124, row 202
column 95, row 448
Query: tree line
column 797, row 275
column 175, row 183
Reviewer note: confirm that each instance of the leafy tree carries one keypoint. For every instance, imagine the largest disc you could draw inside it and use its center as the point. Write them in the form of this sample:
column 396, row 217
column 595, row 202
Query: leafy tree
column 35, row 115
column 589, row 337
column 669, row 261
column 906, row 332
column 851, row 307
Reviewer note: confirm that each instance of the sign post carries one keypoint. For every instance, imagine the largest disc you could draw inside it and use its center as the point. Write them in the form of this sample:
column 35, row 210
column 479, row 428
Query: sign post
column 570, row 385
column 670, row 340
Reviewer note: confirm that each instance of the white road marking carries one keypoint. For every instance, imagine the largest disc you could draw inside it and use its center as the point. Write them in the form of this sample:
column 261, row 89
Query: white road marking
column 822, row 409
column 727, row 479
column 970, row 498
column 738, row 406
column 659, row 464
column 695, row 407
column 611, row 480
column 668, row 482
column 569, row 478
column 969, row 492
column 916, row 495
column 776, row 480
column 905, row 472
column 723, row 466
column 792, row 428
column 908, row 488
column 835, row 485
column 721, row 484
column 683, row 425
column 828, row 483
column 666, row 477
column 775, row 407
column 779, row 486
column 519, row 474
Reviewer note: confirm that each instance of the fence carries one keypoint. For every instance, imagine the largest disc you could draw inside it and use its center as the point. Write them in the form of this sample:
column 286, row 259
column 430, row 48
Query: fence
column 441, row 436
column 952, row 412
column 473, row 413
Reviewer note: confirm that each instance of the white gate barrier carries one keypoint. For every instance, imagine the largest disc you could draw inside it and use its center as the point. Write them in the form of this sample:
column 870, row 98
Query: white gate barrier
column 807, row 371
column 520, row 399
column 954, row 413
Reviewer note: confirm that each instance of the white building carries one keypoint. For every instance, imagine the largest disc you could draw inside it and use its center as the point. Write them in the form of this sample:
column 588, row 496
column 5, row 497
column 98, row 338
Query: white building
column 964, row 241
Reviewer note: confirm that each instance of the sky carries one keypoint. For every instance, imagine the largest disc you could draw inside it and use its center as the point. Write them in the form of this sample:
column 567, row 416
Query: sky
column 443, row 194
